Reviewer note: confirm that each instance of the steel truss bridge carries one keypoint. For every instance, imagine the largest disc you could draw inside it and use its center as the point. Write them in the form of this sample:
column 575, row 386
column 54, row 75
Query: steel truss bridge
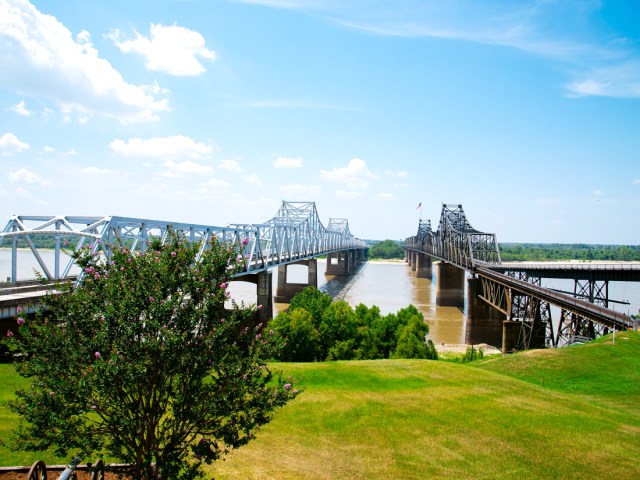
column 295, row 233
column 515, row 289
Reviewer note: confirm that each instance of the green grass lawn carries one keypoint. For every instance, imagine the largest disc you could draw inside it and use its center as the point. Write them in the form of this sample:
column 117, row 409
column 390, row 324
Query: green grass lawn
column 412, row 419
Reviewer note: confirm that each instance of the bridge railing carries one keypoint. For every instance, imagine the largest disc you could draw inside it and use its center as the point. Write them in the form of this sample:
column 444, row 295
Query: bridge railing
column 295, row 233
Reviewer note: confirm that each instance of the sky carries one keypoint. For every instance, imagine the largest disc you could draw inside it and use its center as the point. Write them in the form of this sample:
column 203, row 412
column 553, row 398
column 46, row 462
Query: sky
column 525, row 112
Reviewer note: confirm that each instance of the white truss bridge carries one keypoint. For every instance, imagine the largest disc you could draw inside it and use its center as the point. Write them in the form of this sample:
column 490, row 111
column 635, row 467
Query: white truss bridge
column 295, row 233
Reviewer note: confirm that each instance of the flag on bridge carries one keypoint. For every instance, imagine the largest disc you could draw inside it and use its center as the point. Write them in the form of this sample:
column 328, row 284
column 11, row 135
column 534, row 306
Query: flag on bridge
column 419, row 205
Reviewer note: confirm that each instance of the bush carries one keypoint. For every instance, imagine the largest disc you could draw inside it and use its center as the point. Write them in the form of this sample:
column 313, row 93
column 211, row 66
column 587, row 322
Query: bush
column 143, row 363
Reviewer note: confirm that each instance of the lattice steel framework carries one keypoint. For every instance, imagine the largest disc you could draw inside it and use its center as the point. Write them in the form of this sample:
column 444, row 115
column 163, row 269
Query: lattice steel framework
column 523, row 299
column 516, row 294
column 294, row 233
column 455, row 241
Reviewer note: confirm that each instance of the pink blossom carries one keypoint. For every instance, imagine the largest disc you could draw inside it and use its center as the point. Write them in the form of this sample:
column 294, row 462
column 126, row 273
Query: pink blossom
column 18, row 309
column 245, row 241
column 9, row 333
column 66, row 242
column 258, row 336
column 173, row 254
column 287, row 386
column 224, row 285
column 97, row 354
column 151, row 299
column 20, row 321
column 52, row 394
column 122, row 269
column 94, row 407
column 259, row 307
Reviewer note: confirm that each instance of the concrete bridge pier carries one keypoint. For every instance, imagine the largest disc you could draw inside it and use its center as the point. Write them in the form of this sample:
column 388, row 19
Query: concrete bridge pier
column 339, row 263
column 264, row 294
column 449, row 285
column 424, row 264
column 286, row 291
column 484, row 322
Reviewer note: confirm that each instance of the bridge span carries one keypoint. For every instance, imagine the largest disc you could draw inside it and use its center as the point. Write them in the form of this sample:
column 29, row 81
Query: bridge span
column 295, row 235
column 506, row 304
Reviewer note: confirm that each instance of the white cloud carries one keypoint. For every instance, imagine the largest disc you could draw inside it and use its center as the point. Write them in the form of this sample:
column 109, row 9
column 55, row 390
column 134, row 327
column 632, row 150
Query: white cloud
column 300, row 192
column 254, row 179
column 396, row 173
column 286, row 162
column 215, row 183
column 48, row 149
column 344, row 195
column 27, row 176
column 23, row 193
column 21, row 109
column 230, row 166
column 355, row 175
column 10, row 145
column 598, row 193
column 170, row 49
column 385, row 196
column 41, row 58
column 97, row 171
column 620, row 81
column 637, row 181
column 188, row 167
column 173, row 147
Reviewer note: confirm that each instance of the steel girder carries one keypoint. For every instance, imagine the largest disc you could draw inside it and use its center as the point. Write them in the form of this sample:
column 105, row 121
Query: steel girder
column 529, row 303
column 295, row 233
column 456, row 241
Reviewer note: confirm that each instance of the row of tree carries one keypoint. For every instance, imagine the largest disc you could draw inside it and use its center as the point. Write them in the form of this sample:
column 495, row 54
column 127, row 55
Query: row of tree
column 386, row 249
column 315, row 329
column 559, row 251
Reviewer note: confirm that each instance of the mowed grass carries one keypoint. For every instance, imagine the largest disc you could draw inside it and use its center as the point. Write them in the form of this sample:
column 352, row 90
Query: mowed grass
column 423, row 419
column 412, row 419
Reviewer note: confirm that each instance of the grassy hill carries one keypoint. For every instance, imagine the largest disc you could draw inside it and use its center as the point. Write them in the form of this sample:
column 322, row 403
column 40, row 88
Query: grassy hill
column 412, row 419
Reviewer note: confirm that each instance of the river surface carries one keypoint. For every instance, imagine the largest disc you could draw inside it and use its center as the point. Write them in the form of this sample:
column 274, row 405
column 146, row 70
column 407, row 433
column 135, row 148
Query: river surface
column 389, row 285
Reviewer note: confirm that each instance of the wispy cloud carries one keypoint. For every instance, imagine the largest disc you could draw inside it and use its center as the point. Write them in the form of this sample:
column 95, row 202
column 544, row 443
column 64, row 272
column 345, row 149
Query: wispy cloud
column 299, row 104
column 172, row 147
column 604, row 64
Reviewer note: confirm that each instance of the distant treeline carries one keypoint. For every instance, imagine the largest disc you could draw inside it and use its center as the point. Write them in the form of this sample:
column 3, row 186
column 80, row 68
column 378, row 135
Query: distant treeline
column 386, row 249
column 67, row 242
column 511, row 252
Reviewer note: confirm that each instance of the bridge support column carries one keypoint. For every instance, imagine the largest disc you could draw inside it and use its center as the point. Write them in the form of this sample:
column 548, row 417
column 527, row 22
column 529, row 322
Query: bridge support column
column 286, row 291
column 424, row 266
column 510, row 335
column 449, row 285
column 414, row 261
column 484, row 322
column 338, row 263
column 265, row 296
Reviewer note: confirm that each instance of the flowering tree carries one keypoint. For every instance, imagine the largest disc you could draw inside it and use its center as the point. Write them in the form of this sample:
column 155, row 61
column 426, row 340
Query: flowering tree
column 144, row 363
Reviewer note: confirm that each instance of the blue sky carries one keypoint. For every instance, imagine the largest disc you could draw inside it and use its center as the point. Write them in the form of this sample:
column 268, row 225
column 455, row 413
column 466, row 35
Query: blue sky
column 525, row 112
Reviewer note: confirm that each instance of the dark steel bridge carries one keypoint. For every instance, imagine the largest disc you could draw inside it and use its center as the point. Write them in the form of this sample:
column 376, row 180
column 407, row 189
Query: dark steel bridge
column 523, row 314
